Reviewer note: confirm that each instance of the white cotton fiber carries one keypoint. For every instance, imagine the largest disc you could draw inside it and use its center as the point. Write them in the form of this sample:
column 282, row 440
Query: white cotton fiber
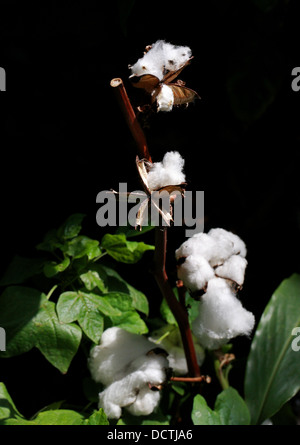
column 200, row 244
column 233, row 269
column 127, row 366
column 221, row 316
column 169, row 338
column 195, row 272
column 167, row 172
column 160, row 58
column 226, row 237
column 117, row 349
column 165, row 99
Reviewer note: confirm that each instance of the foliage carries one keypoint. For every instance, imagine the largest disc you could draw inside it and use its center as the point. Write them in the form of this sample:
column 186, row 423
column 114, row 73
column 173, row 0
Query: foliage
column 83, row 294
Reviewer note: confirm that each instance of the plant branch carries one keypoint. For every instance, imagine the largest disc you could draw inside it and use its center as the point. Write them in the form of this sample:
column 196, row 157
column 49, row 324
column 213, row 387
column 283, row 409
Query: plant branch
column 131, row 118
column 177, row 309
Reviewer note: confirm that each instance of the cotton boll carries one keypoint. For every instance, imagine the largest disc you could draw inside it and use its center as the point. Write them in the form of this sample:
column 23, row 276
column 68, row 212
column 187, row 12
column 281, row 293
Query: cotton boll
column 167, row 172
column 223, row 236
column 117, row 349
column 195, row 272
column 233, row 269
column 132, row 391
column 165, row 99
column 221, row 316
column 160, row 58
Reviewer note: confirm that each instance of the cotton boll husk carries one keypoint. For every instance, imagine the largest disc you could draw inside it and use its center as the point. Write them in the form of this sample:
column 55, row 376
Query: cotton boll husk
column 233, row 269
column 172, row 343
column 167, row 172
column 165, row 99
column 221, row 316
column 117, row 349
column 195, row 272
column 222, row 235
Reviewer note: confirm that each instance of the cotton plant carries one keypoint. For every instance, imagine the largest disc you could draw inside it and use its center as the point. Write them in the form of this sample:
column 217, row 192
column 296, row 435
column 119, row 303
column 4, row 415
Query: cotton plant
column 135, row 369
column 214, row 264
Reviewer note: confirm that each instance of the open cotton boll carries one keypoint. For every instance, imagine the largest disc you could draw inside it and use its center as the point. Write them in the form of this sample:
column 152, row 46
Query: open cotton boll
column 133, row 391
column 165, row 99
column 117, row 349
column 195, row 272
column 221, row 316
column 167, row 172
column 233, row 269
column 223, row 236
column 160, row 58
column 168, row 337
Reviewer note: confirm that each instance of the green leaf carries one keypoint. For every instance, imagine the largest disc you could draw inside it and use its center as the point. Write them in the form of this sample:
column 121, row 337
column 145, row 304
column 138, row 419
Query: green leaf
column 115, row 283
column 71, row 227
column 230, row 409
column 92, row 280
column 52, row 417
column 131, row 322
column 130, row 232
column 52, row 268
column 87, row 309
column 50, row 242
column 81, row 246
column 272, row 372
column 97, row 418
column 157, row 418
column 31, row 321
column 122, row 250
column 20, row 269
column 7, row 406
column 166, row 313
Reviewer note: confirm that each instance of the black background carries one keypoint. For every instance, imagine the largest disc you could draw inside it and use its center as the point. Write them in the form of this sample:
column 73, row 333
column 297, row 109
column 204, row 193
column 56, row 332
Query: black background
column 64, row 139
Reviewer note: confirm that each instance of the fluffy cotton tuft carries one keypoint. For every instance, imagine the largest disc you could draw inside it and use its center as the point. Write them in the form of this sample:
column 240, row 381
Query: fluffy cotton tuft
column 168, row 337
column 127, row 365
column 167, row 172
column 165, row 99
column 162, row 57
column 221, row 316
column 213, row 262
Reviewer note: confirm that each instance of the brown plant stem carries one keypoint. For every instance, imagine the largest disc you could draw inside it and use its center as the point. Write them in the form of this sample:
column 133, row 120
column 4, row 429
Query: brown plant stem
column 179, row 312
column 130, row 118
column 202, row 378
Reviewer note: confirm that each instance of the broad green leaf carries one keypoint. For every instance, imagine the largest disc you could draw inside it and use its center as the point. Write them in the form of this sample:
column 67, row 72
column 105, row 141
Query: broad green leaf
column 273, row 367
column 57, row 341
column 52, row 268
column 122, row 250
column 97, row 418
column 30, row 320
column 230, row 409
column 166, row 313
column 115, row 283
column 71, row 227
column 157, row 418
column 87, row 309
column 20, row 269
column 7, row 406
column 130, row 232
column 52, row 417
column 131, row 322
column 81, row 246
column 119, row 300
